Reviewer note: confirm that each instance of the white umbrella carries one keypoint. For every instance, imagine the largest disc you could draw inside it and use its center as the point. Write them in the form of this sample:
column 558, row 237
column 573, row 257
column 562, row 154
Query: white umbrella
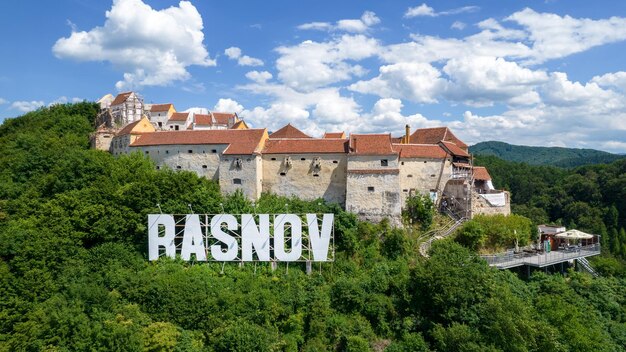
column 574, row 235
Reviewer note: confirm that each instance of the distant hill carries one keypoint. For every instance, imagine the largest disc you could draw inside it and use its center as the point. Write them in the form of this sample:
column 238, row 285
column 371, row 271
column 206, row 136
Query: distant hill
column 555, row 156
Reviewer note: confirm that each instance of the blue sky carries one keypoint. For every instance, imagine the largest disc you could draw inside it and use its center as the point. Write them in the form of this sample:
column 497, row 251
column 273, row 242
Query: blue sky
column 533, row 72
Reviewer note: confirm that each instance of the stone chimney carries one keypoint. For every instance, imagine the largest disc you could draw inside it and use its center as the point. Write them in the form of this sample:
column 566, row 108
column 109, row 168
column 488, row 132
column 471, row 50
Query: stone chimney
column 407, row 134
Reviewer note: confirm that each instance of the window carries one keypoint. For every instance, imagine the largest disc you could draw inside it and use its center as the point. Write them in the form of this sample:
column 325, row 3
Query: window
column 303, row 159
column 370, row 189
column 433, row 175
column 167, row 152
column 335, row 162
column 213, row 151
column 316, row 175
column 158, row 167
column 236, row 181
column 178, row 167
column 425, row 161
column 409, row 175
column 384, row 162
column 160, row 124
column 273, row 159
column 176, row 127
column 204, row 166
column 405, row 190
column 147, row 152
column 402, row 163
column 283, row 174
column 189, row 151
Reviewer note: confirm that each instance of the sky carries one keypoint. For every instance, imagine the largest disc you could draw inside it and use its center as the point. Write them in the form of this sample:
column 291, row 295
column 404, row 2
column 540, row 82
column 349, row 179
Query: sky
column 548, row 73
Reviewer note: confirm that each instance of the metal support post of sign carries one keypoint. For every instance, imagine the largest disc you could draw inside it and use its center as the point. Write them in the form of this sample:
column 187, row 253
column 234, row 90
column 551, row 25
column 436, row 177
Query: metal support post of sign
column 274, row 265
column 309, row 268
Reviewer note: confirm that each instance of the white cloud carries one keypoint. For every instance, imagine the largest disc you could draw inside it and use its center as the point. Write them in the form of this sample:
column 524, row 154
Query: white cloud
column 3, row 101
column 458, row 25
column 554, row 36
column 228, row 105
column 259, row 77
column 617, row 80
column 26, row 106
column 559, row 91
column 152, row 47
column 64, row 100
column 418, row 82
column 310, row 64
column 360, row 25
column 425, row 10
column 234, row 53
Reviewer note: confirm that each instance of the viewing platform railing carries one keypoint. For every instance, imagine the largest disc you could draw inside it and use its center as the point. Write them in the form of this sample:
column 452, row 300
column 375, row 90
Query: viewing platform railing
column 540, row 258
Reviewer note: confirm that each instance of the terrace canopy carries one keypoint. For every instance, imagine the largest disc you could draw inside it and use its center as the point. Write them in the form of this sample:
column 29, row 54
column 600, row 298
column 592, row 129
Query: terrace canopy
column 574, row 235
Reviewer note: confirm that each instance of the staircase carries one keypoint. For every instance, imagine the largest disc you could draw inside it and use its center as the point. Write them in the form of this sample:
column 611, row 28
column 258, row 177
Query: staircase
column 584, row 265
column 440, row 234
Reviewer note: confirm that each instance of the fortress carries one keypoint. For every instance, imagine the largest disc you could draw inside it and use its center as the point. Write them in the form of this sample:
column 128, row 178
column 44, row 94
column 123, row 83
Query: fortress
column 370, row 175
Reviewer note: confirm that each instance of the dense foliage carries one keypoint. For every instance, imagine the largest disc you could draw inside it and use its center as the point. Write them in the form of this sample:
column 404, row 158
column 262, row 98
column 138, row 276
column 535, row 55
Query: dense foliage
column 552, row 156
column 496, row 233
column 74, row 274
column 419, row 209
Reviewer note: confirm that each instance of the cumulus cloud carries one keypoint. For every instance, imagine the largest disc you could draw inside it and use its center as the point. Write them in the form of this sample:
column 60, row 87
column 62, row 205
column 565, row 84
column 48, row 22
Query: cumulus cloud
column 259, row 77
column 458, row 25
column 360, row 25
column 228, row 105
column 26, row 106
column 609, row 80
column 152, row 47
column 3, row 101
column 234, row 53
column 310, row 64
column 425, row 10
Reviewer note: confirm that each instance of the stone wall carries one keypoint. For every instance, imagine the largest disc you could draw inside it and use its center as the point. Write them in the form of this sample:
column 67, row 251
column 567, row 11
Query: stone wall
column 240, row 172
column 204, row 160
column 481, row 206
column 374, row 196
column 423, row 175
column 101, row 139
column 299, row 176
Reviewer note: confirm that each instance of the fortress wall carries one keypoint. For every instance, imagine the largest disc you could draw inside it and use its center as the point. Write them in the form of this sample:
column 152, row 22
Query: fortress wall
column 300, row 178
column 204, row 160
column 383, row 200
column 421, row 175
column 244, row 177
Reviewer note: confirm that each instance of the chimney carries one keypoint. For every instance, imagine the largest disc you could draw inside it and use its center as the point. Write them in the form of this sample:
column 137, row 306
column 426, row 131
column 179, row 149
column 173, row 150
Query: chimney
column 407, row 134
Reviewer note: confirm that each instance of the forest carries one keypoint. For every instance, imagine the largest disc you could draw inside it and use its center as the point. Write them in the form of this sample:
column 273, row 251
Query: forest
column 75, row 275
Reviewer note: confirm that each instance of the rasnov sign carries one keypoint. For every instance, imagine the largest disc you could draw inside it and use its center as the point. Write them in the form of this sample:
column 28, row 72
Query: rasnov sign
column 245, row 237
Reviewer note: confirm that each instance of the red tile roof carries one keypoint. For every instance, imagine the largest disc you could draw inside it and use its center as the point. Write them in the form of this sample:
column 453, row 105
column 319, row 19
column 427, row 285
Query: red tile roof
column 340, row 135
column 289, row 131
column 454, row 149
column 434, row 135
column 179, row 117
column 239, row 141
column 203, row 119
column 481, row 173
column 374, row 171
column 371, row 144
column 221, row 118
column 420, row 151
column 160, row 107
column 128, row 128
column 306, row 146
column 120, row 98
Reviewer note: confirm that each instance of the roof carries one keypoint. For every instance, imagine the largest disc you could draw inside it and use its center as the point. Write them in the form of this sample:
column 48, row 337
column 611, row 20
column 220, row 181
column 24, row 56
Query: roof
column 340, row 135
column 462, row 165
column 454, row 149
column 374, row 171
column 371, row 144
column 420, row 151
column 239, row 141
column 289, row 131
column 203, row 119
column 179, row 116
column 481, row 173
column 121, row 98
column 306, row 146
column 434, row 135
column 145, row 128
column 160, row 107
column 221, row 118
column 241, row 124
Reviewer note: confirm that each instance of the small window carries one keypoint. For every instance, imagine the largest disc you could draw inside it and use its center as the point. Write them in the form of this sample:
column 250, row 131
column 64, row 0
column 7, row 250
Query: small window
column 273, row 159
column 425, row 161
column 384, row 162
column 189, row 151
column 236, row 181
column 147, row 152
column 160, row 124
column 248, row 159
column 176, row 127
column 405, row 190
column 335, row 162
column 167, row 152
column 409, row 175
column 370, row 189
column 316, row 175
column 178, row 167
column 204, row 166
column 283, row 174
column 433, row 175
column 402, row 163
column 303, row 159
column 213, row 151
column 158, row 167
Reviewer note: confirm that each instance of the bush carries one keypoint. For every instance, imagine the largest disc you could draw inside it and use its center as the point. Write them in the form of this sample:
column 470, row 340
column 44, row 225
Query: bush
column 419, row 209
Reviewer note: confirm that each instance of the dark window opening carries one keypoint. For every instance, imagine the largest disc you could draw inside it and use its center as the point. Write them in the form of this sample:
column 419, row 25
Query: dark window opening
column 335, row 162
column 213, row 150
column 303, row 159
column 236, row 181
column 273, row 159
column 178, row 167
column 158, row 167
column 283, row 174
column 409, row 175
column 316, row 175
column 433, row 175
column 176, row 127
column 424, row 162
column 160, row 124
column 147, row 152
column 204, row 166
column 189, row 151
column 405, row 190
column 384, row 162
column 370, row 189
column 167, row 152
column 402, row 163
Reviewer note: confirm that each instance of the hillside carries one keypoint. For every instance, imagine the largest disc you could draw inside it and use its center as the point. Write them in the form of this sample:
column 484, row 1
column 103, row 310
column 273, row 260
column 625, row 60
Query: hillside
column 74, row 274
column 554, row 156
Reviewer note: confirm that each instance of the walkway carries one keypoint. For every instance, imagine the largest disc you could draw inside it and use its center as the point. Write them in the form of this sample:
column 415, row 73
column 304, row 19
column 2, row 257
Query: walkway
column 511, row 260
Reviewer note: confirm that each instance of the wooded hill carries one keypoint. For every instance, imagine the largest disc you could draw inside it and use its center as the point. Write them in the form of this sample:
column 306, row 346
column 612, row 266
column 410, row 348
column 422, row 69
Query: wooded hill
column 553, row 156
column 74, row 273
